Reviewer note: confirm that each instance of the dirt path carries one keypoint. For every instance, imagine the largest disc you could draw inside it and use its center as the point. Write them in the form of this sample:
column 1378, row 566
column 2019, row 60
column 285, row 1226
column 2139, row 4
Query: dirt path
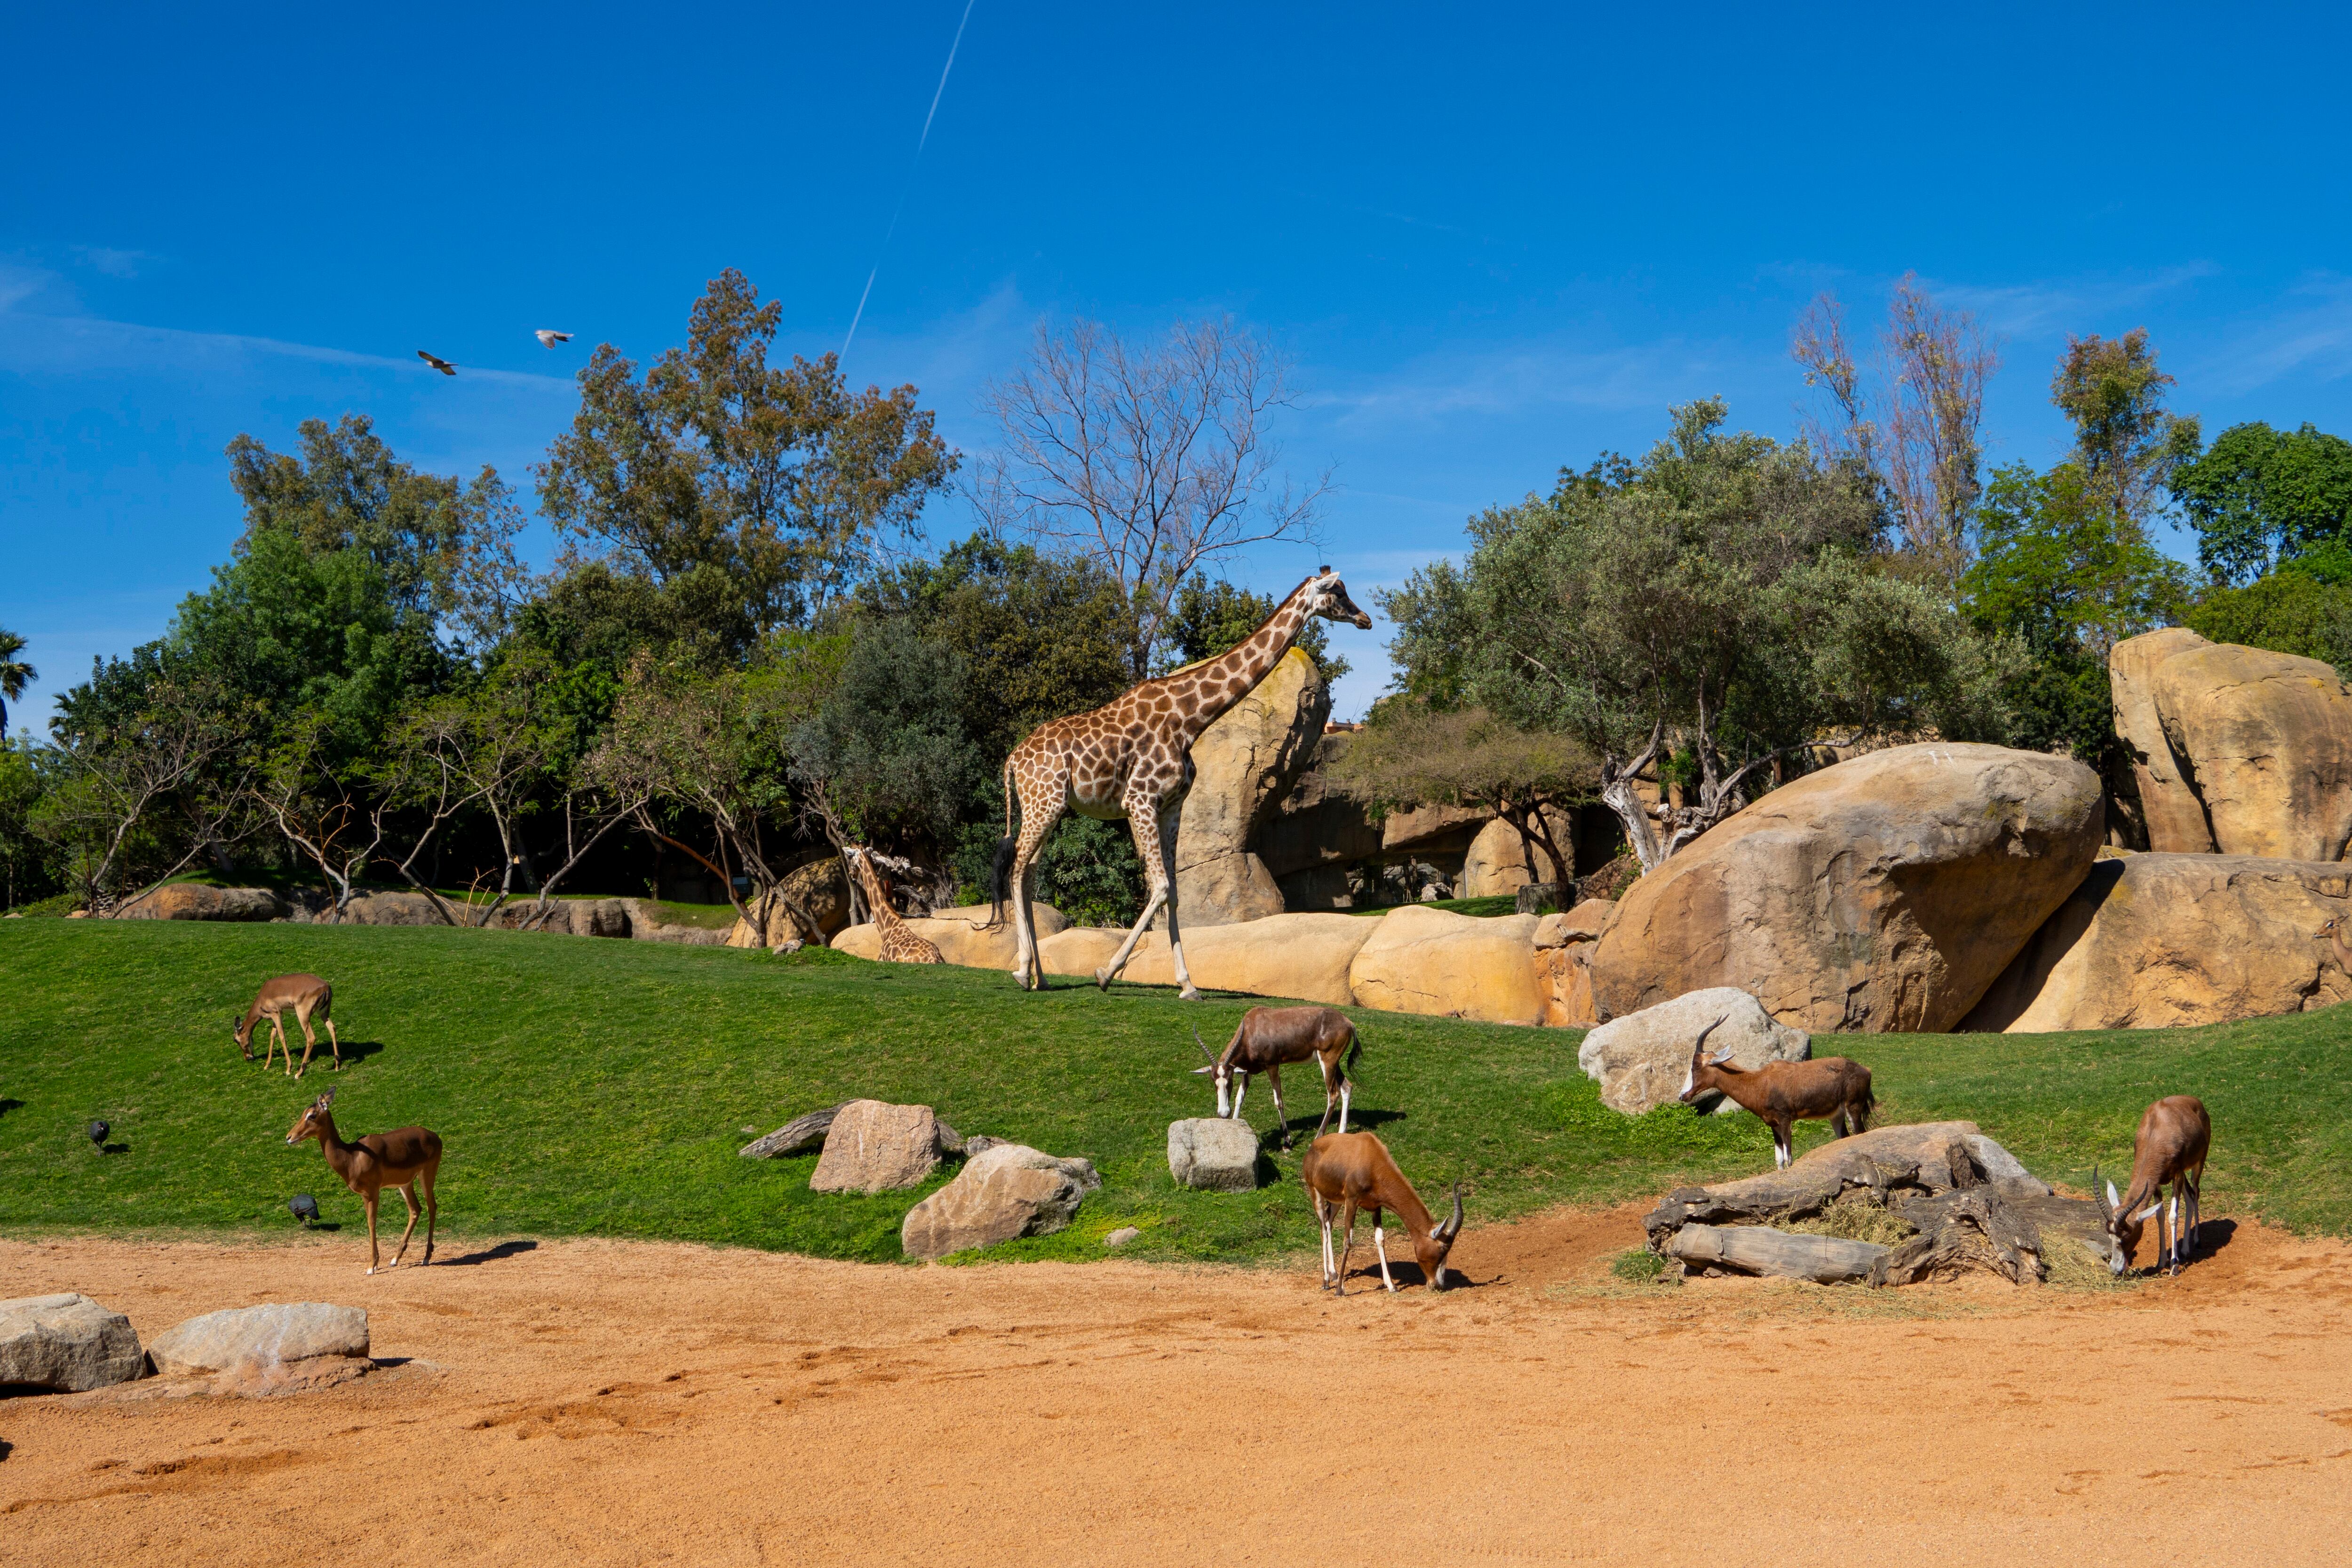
column 600, row 1402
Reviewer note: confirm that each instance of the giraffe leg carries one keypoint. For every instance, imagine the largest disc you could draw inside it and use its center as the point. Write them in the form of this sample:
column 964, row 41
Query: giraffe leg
column 1038, row 818
column 1185, row 989
column 1143, row 821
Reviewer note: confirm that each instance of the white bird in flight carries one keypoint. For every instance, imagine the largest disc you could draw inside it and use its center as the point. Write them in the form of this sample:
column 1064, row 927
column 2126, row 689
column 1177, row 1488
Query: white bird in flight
column 548, row 338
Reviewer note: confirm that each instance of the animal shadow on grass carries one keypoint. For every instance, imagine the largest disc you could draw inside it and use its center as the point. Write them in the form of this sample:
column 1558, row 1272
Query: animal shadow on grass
column 503, row 1251
column 1301, row 1127
column 8, row 1105
column 114, row 1148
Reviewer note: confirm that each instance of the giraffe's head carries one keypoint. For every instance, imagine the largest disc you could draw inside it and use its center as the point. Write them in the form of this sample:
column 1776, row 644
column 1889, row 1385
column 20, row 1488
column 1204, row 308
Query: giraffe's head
column 1328, row 596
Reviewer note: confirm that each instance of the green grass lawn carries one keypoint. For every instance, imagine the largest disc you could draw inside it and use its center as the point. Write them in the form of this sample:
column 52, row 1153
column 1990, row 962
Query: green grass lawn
column 600, row 1087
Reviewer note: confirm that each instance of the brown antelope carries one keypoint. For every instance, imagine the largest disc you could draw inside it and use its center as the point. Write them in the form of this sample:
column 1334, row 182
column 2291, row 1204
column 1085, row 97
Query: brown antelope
column 310, row 998
column 1271, row 1037
column 1346, row 1172
column 2170, row 1146
column 402, row 1159
column 1785, row 1093
column 2334, row 932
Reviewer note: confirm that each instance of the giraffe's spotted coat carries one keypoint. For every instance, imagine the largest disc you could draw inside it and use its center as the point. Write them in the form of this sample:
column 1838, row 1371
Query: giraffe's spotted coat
column 899, row 945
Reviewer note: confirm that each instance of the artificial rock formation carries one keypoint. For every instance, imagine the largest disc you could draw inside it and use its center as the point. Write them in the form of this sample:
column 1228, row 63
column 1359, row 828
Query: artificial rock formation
column 962, row 935
column 66, row 1344
column 1640, row 1060
column 1563, row 959
column 1242, row 764
column 1884, row 893
column 193, row 901
column 1499, row 861
column 1305, row 956
column 2236, row 751
column 1437, row 963
column 1007, row 1190
column 2155, row 940
column 1315, row 832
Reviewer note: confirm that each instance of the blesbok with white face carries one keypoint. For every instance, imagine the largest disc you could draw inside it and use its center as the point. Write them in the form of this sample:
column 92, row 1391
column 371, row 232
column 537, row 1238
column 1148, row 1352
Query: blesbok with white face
column 308, row 998
column 2173, row 1136
column 1785, row 1093
column 1350, row 1172
column 1271, row 1038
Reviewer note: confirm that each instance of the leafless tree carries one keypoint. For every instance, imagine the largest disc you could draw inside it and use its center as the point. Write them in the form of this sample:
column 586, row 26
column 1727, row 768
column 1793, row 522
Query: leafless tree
column 1928, row 403
column 162, row 761
column 1153, row 461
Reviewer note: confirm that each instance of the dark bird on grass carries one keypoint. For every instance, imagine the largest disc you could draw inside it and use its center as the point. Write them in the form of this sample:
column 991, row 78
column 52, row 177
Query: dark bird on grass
column 305, row 1208
column 98, row 1131
column 438, row 363
column 548, row 337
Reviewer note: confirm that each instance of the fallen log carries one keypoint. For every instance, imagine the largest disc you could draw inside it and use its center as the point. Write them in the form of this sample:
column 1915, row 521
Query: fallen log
column 1758, row 1249
column 801, row 1135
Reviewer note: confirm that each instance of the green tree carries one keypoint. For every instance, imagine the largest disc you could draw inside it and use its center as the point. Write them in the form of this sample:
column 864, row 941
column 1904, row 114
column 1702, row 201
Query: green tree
column 23, row 863
column 886, row 760
column 443, row 548
column 782, row 481
column 1413, row 754
column 2126, row 442
column 2261, row 499
column 2286, row 611
column 14, row 675
column 1721, row 598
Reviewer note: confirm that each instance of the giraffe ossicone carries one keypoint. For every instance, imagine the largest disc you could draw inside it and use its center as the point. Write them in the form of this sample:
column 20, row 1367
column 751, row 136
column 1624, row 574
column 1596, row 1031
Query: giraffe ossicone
column 1133, row 758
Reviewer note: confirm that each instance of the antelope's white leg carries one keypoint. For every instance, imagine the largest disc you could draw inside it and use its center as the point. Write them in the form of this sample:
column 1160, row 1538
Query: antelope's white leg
column 1381, row 1246
column 1343, row 1107
column 1241, row 1087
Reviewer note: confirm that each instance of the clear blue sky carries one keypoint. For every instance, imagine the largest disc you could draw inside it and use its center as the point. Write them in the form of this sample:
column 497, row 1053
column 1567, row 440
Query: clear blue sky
column 1495, row 242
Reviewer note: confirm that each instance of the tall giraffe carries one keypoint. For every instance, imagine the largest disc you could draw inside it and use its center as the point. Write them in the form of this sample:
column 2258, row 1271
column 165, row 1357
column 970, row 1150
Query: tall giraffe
column 899, row 945
column 1133, row 758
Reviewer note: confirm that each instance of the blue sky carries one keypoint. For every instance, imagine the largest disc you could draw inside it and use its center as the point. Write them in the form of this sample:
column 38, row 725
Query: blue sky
column 1494, row 241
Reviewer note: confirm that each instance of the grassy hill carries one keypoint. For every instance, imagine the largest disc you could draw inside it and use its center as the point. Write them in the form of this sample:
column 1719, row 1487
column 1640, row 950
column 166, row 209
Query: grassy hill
column 602, row 1088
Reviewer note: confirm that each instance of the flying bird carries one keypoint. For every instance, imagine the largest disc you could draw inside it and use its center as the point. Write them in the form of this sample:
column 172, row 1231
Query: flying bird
column 98, row 1131
column 438, row 363
column 305, row 1208
column 548, row 338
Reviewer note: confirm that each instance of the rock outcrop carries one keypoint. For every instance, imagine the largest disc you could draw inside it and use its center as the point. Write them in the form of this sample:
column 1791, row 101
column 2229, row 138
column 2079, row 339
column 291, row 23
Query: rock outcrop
column 1305, row 955
column 1642, row 1060
column 874, row 1147
column 1215, row 1153
column 963, row 935
column 1564, row 963
column 1008, row 1190
column 249, row 1339
column 1315, row 831
column 67, row 1344
column 812, row 904
column 1499, row 861
column 2154, row 941
column 195, row 901
column 1886, row 892
column 1243, row 764
column 2236, row 751
column 1437, row 963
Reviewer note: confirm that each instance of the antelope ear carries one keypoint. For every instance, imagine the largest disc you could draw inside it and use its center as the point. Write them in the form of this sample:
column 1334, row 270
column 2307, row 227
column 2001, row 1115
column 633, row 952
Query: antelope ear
column 2141, row 1218
column 2114, row 1199
column 1203, row 1072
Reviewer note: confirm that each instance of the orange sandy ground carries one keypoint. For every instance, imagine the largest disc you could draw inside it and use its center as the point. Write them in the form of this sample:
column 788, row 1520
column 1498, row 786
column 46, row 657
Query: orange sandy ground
column 604, row 1402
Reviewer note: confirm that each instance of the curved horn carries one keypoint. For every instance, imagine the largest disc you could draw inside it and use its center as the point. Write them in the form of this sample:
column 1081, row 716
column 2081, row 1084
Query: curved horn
column 1453, row 1226
column 1204, row 1046
column 1698, row 1047
column 2099, row 1196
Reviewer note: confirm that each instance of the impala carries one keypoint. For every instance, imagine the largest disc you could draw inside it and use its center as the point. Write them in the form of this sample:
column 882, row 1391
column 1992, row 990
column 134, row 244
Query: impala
column 310, row 998
column 406, row 1159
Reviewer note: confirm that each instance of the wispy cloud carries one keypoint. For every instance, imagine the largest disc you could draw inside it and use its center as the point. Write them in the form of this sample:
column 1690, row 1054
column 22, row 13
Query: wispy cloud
column 2043, row 308
column 112, row 262
column 2311, row 336
column 1523, row 377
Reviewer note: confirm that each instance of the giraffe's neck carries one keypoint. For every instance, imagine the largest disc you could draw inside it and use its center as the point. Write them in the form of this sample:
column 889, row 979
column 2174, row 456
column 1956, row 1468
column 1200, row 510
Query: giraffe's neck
column 1250, row 659
column 885, row 917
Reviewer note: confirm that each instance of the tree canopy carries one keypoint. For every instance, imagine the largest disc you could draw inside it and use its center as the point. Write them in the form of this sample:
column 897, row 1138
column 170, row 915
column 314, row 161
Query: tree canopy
column 2261, row 499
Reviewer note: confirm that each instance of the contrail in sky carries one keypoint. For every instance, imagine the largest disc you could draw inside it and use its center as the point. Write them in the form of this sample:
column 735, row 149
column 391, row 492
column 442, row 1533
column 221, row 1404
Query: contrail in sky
column 937, row 93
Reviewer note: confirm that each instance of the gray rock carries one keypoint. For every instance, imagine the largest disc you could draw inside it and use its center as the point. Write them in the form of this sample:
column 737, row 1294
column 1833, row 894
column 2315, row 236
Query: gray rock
column 1643, row 1059
column 1215, row 1153
column 798, row 1136
column 65, row 1343
column 1006, row 1191
column 872, row 1147
column 246, row 1338
column 1121, row 1236
column 980, row 1144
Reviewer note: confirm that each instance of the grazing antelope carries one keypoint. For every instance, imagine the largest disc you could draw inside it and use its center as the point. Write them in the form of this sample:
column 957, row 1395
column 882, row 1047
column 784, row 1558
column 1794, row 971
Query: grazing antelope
column 2170, row 1146
column 1785, row 1093
column 402, row 1159
column 1269, row 1037
column 310, row 998
column 1346, row 1172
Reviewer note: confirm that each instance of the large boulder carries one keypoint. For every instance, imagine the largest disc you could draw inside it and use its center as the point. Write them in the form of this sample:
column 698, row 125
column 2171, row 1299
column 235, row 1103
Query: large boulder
column 2265, row 740
column 1007, row 1190
column 390, row 909
column 1215, row 1153
column 1305, row 956
column 1564, row 963
column 65, row 1343
column 875, row 1147
column 253, row 1338
column 1884, row 893
column 1499, row 861
column 1642, row 1060
column 2174, row 816
column 1435, row 962
column 195, row 901
column 2153, row 941
column 962, row 935
column 811, row 904
column 1241, row 765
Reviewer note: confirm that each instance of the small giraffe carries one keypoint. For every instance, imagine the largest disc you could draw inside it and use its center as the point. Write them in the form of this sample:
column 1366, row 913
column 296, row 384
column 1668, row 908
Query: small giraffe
column 899, row 945
column 1133, row 758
